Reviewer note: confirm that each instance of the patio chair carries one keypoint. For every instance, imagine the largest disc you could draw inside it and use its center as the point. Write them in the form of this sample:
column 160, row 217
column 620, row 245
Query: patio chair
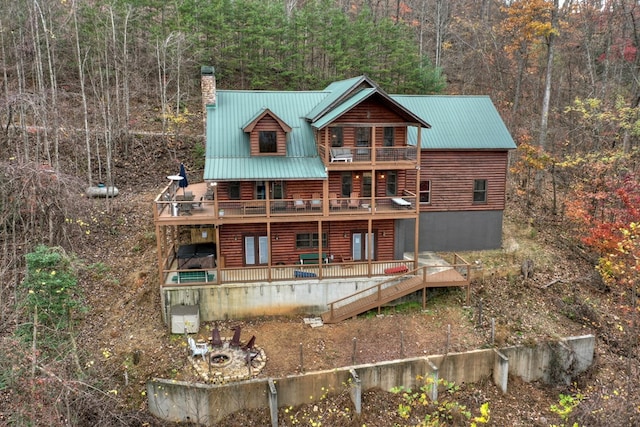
column 316, row 201
column 334, row 201
column 186, row 207
column 216, row 341
column 249, row 345
column 198, row 349
column 298, row 203
column 208, row 195
column 250, row 356
column 235, row 341
column 354, row 201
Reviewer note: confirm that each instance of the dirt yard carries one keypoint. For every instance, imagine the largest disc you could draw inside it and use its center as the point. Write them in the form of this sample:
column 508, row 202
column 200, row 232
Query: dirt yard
column 131, row 344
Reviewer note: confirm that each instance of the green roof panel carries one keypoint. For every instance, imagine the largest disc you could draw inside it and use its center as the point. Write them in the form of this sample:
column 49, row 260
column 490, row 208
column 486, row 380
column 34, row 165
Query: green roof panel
column 458, row 122
column 343, row 108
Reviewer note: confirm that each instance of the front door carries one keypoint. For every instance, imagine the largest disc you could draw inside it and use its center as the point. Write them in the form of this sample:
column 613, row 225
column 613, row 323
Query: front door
column 360, row 246
column 256, row 250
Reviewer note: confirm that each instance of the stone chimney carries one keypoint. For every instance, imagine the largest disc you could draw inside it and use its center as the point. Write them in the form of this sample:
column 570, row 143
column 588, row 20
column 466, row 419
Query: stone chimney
column 208, row 87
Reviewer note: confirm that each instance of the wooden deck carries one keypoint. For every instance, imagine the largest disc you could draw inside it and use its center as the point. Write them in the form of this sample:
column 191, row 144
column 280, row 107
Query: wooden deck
column 169, row 210
column 392, row 289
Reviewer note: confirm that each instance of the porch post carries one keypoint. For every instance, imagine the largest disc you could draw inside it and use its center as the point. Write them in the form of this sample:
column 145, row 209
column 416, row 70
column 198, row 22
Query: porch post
column 320, row 249
column 416, row 237
column 369, row 246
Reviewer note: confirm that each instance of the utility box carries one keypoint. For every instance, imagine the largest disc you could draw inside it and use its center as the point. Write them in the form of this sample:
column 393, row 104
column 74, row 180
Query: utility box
column 185, row 317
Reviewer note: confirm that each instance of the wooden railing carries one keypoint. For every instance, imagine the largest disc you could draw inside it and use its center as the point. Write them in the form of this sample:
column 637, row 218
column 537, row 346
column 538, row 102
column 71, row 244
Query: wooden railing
column 405, row 204
column 346, row 155
column 455, row 274
column 290, row 272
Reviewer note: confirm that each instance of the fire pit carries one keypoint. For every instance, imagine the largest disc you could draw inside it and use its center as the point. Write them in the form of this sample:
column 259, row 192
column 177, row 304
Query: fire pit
column 230, row 364
column 220, row 360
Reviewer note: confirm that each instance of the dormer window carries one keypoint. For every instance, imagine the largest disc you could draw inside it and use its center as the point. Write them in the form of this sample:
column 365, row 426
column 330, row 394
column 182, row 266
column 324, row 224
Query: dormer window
column 267, row 134
column 268, row 141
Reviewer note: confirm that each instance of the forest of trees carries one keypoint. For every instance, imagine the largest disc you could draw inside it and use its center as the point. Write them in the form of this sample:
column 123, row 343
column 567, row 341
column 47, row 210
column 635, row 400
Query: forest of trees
column 83, row 79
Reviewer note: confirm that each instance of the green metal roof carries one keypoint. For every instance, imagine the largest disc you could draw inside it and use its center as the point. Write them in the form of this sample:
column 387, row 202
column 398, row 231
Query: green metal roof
column 334, row 91
column 264, row 168
column 343, row 108
column 458, row 122
column 228, row 151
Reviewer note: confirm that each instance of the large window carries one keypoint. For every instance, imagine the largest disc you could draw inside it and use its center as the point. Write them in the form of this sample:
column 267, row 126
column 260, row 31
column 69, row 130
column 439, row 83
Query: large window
column 389, row 135
column 336, row 137
column 392, row 183
column 234, row 190
column 363, row 137
column 267, row 141
column 310, row 240
column 425, row 191
column 480, row 191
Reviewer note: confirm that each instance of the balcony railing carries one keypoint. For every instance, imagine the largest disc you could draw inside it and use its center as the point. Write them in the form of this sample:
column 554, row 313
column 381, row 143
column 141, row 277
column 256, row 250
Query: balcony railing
column 338, row 155
column 318, row 206
column 217, row 276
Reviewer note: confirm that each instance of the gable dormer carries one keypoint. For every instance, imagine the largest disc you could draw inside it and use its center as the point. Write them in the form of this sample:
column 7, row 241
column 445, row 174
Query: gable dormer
column 267, row 134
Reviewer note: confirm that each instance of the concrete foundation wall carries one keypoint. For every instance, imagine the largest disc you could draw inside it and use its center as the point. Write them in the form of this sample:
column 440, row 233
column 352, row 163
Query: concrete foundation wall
column 207, row 404
column 267, row 299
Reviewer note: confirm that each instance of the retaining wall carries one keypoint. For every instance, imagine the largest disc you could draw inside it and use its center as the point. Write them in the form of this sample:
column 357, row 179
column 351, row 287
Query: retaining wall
column 207, row 404
column 238, row 301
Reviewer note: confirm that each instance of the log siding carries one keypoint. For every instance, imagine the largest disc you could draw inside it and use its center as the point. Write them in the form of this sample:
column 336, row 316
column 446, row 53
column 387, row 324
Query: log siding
column 452, row 174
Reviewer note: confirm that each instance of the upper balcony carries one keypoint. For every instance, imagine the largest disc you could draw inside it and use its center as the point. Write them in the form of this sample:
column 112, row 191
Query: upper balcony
column 339, row 158
column 170, row 207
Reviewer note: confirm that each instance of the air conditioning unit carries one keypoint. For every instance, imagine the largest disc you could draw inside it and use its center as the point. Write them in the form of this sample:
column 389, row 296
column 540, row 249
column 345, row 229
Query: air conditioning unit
column 185, row 317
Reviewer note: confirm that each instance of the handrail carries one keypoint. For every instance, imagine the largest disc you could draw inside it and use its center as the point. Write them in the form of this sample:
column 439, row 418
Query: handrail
column 379, row 286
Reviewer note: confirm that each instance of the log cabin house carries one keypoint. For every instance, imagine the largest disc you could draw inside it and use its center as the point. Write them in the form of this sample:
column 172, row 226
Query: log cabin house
column 310, row 197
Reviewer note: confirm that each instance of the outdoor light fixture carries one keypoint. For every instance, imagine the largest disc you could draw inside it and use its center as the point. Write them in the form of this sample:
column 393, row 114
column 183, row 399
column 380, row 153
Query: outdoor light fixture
column 345, row 235
column 276, row 237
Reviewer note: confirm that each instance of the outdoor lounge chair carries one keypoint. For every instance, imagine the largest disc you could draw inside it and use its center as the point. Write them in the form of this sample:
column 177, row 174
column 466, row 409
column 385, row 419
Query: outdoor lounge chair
column 198, row 349
column 249, row 345
column 250, row 356
column 298, row 203
column 208, row 195
column 316, row 201
column 216, row 341
column 354, row 201
column 334, row 202
column 235, row 341
column 341, row 155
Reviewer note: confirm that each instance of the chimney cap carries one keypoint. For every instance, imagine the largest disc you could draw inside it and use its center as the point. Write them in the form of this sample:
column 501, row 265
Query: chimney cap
column 207, row 70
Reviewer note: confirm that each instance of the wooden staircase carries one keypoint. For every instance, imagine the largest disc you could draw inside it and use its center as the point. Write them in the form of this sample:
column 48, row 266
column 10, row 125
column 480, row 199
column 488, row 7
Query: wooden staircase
column 390, row 290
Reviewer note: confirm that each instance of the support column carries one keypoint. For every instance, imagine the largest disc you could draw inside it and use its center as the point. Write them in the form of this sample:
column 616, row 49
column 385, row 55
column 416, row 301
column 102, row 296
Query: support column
column 273, row 403
column 356, row 391
column 501, row 371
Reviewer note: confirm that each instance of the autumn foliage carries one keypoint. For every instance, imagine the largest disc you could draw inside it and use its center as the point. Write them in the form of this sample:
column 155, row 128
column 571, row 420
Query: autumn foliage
column 605, row 207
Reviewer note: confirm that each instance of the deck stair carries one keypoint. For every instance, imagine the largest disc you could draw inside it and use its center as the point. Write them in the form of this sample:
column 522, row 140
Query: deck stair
column 392, row 289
